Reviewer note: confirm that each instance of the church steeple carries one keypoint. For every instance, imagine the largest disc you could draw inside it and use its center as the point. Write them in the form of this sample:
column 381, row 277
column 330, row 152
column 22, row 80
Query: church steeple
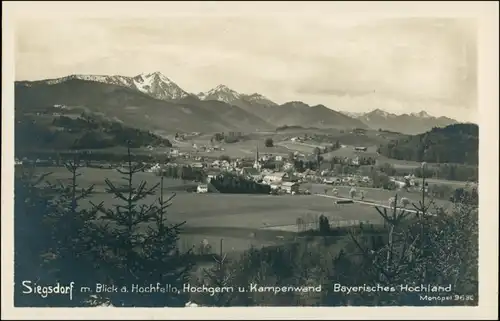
column 256, row 164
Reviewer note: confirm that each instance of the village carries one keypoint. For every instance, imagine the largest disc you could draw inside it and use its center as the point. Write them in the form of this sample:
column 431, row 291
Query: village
column 278, row 172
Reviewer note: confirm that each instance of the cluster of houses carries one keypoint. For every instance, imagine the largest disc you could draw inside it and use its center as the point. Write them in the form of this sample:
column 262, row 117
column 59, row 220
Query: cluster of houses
column 352, row 180
column 283, row 179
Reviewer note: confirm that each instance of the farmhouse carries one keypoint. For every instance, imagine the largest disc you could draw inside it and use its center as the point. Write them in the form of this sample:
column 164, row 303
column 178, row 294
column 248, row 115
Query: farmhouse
column 202, row 188
column 290, row 187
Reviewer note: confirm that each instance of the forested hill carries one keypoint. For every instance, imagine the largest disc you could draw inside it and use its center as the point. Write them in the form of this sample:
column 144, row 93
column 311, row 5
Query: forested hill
column 85, row 131
column 457, row 143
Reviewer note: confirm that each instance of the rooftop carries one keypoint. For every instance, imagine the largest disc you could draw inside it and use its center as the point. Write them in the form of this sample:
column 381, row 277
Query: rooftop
column 250, row 170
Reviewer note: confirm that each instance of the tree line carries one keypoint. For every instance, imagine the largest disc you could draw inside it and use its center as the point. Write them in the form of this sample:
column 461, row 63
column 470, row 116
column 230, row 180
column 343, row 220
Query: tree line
column 184, row 172
column 452, row 172
column 83, row 132
column 230, row 137
column 234, row 183
column 91, row 158
column 457, row 143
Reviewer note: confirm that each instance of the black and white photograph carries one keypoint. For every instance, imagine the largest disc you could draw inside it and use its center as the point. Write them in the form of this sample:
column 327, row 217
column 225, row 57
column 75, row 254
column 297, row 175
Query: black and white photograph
column 250, row 158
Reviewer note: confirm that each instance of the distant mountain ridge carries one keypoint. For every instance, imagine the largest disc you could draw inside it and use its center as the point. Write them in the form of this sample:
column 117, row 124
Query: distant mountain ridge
column 413, row 123
column 253, row 110
column 154, row 84
column 136, row 108
column 227, row 95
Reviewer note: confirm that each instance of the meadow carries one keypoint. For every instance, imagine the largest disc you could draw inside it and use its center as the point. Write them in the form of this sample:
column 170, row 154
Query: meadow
column 96, row 177
column 247, row 147
column 250, row 220
column 242, row 220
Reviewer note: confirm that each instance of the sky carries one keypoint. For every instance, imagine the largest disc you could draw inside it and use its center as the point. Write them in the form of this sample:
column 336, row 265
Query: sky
column 398, row 65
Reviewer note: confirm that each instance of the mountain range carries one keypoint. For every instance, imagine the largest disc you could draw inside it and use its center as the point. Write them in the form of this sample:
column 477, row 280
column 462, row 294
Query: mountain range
column 154, row 101
column 412, row 123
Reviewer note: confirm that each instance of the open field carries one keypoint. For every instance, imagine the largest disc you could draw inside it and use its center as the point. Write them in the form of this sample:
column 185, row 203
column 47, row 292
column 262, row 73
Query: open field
column 283, row 145
column 250, row 210
column 242, row 220
column 296, row 146
column 97, row 176
column 454, row 184
column 244, row 148
column 349, row 151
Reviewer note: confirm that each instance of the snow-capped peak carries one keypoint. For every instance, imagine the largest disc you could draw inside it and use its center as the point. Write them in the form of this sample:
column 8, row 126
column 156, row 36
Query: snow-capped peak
column 380, row 113
column 227, row 95
column 422, row 114
column 221, row 93
column 158, row 85
column 157, row 75
column 223, row 88
column 154, row 84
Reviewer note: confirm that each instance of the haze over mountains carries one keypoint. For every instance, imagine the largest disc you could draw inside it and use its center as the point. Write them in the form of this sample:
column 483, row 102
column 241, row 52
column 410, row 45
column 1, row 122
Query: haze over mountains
column 411, row 123
column 154, row 101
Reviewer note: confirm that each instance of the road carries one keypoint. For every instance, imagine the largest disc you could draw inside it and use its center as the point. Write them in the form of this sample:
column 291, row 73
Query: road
column 368, row 203
column 293, row 227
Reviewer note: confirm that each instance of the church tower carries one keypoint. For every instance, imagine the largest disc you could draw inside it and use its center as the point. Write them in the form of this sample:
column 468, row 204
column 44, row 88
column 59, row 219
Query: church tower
column 256, row 164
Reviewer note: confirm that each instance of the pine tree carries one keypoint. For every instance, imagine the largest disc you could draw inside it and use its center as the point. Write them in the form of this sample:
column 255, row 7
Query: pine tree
column 427, row 248
column 218, row 276
column 32, row 237
column 72, row 229
column 163, row 259
column 137, row 246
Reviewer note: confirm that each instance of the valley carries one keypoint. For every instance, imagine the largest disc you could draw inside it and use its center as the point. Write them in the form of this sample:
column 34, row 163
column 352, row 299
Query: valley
column 221, row 132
